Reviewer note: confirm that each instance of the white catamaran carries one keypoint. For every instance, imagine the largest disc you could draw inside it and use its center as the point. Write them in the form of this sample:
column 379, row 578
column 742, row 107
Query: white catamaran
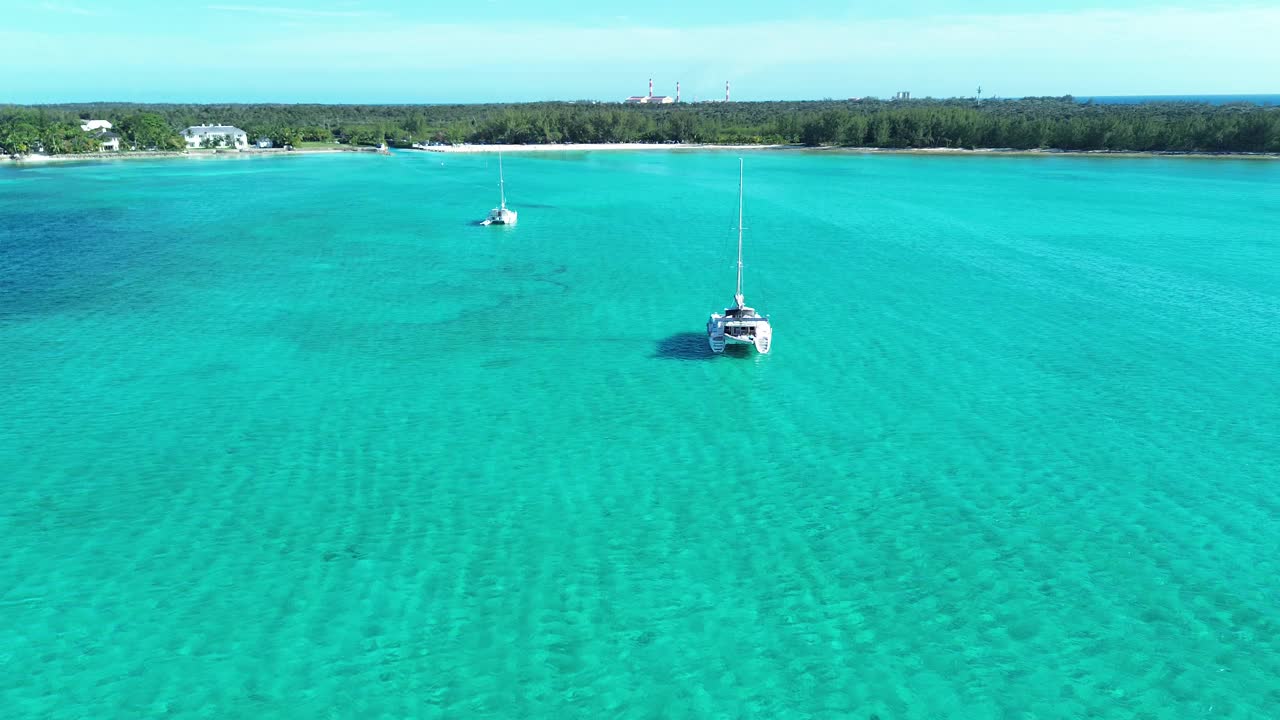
column 501, row 215
column 740, row 325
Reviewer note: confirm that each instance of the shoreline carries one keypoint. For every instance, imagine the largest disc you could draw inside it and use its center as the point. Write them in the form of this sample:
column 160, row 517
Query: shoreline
column 1050, row 152
column 588, row 147
column 36, row 160
column 594, row 147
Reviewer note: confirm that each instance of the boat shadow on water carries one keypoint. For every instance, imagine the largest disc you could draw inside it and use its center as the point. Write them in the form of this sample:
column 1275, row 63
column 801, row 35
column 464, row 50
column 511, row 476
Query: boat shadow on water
column 693, row 346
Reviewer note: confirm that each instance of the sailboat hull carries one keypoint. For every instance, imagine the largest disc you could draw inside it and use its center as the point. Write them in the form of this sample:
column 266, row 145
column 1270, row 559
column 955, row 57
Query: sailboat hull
column 500, row 217
column 724, row 330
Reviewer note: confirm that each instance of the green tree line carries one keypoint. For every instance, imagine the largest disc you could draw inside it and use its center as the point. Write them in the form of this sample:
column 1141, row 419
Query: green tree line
column 25, row 130
column 1028, row 123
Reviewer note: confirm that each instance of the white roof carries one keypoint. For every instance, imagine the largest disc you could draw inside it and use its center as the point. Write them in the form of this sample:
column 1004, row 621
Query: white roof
column 212, row 130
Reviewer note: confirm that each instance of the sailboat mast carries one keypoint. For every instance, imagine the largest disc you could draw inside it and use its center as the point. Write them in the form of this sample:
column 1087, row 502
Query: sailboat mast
column 502, row 190
column 738, row 295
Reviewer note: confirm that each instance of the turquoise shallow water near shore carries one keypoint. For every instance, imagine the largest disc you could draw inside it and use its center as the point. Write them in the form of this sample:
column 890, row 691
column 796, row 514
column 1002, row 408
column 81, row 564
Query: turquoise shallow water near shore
column 292, row 438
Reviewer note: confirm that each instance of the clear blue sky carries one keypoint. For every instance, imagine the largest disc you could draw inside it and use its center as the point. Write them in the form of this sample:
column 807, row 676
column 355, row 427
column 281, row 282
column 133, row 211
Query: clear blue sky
column 499, row 50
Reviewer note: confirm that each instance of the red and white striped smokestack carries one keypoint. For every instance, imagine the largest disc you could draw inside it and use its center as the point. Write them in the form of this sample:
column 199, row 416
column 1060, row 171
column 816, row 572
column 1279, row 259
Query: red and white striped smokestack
column 677, row 91
column 650, row 87
column 726, row 91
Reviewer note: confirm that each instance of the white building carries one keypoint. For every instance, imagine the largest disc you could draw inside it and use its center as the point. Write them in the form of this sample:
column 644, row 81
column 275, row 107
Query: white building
column 110, row 141
column 652, row 99
column 91, row 125
column 649, row 100
column 264, row 143
column 215, row 136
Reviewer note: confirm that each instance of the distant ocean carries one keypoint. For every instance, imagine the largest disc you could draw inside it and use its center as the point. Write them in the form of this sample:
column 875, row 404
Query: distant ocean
column 1210, row 99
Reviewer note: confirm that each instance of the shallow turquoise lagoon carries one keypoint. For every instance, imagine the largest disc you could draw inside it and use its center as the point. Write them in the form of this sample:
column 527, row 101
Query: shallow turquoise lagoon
column 294, row 438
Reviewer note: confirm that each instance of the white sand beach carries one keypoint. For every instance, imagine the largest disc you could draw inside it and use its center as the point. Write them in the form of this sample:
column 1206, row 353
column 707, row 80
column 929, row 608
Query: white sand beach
column 592, row 147
column 580, row 147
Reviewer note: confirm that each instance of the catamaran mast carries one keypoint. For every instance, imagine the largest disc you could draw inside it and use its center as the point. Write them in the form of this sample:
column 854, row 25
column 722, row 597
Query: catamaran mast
column 738, row 295
column 502, row 191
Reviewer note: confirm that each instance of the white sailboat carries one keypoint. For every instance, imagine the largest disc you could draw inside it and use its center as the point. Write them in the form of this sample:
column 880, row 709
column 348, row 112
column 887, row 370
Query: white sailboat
column 501, row 215
column 739, row 324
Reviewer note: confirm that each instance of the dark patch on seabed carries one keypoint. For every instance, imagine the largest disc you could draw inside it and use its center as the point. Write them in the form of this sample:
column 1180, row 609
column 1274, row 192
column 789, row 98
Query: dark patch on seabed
column 350, row 551
column 54, row 262
column 528, row 271
column 692, row 346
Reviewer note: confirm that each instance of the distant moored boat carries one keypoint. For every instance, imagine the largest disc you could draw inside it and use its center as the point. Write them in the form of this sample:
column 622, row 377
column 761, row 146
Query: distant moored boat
column 501, row 215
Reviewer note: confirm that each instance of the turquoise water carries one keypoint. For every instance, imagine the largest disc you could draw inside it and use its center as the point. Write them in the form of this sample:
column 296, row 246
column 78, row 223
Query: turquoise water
column 293, row 438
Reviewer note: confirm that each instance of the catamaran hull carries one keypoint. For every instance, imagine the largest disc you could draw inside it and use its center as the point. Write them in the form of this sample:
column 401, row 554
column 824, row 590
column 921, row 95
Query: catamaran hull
column 762, row 343
column 759, row 342
column 718, row 335
column 505, row 217
column 719, row 342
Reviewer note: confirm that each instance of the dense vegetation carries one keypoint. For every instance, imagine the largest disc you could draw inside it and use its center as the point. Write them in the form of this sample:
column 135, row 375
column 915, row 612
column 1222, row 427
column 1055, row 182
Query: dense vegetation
column 957, row 123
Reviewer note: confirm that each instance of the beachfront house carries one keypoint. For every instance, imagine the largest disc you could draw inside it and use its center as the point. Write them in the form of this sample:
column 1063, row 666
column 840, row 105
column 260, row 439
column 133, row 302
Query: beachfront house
column 264, row 143
column 215, row 136
column 95, row 125
column 109, row 140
